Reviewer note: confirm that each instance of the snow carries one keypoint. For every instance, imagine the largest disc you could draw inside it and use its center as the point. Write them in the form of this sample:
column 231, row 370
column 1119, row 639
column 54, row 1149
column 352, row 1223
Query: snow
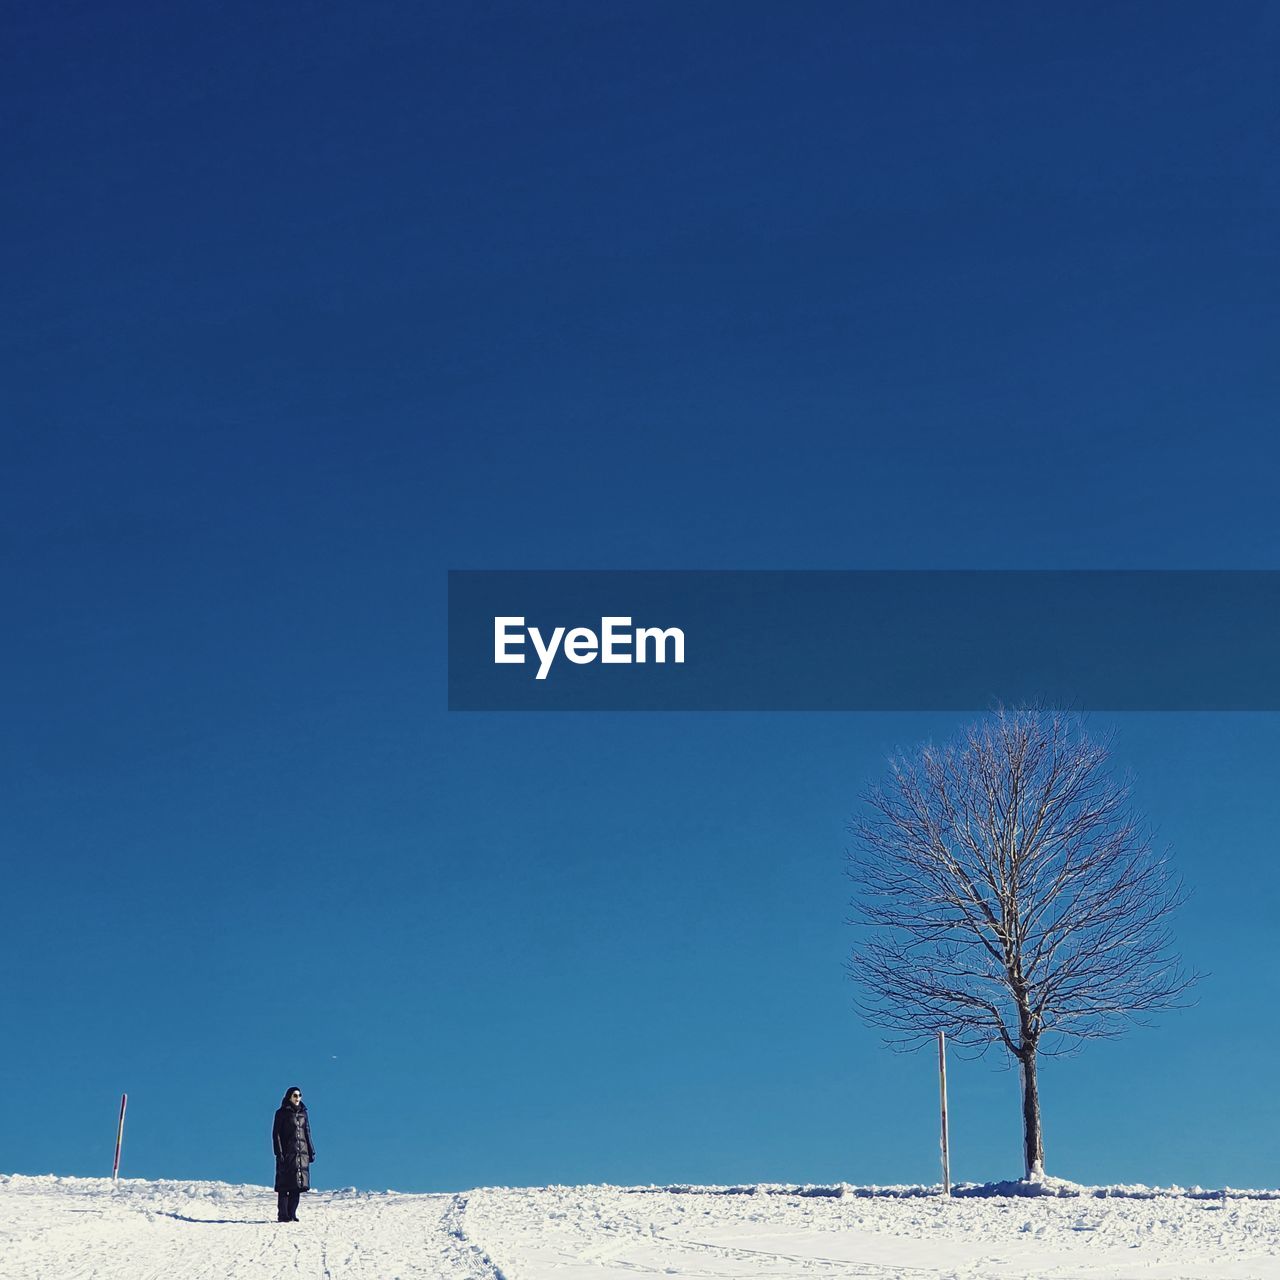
column 55, row 1228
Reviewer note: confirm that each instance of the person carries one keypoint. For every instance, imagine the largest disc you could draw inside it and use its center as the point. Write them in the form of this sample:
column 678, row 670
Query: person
column 291, row 1141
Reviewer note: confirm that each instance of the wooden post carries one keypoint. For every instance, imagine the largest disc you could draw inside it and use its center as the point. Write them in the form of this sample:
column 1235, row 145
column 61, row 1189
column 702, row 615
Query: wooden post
column 115, row 1168
column 942, row 1089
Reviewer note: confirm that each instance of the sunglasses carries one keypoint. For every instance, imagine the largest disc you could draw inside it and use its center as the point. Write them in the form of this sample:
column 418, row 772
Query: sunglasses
column 295, row 1094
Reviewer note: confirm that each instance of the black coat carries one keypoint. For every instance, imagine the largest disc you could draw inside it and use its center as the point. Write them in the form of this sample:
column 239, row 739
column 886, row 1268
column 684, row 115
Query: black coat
column 291, row 1141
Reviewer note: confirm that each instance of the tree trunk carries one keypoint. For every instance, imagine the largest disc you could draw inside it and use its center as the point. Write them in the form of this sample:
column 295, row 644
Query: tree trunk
column 1032, row 1135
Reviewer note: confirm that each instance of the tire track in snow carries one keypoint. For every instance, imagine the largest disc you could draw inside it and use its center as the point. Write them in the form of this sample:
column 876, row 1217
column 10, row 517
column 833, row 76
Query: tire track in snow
column 453, row 1220
column 854, row 1269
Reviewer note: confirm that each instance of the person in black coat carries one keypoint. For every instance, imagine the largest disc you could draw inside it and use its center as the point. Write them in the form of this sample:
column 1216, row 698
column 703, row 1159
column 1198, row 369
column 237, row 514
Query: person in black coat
column 291, row 1141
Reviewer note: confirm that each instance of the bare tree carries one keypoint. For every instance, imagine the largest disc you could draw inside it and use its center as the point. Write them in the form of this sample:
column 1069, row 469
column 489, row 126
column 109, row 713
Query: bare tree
column 1010, row 897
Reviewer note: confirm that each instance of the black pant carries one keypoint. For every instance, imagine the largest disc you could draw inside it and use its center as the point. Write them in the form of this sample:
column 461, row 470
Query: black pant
column 287, row 1206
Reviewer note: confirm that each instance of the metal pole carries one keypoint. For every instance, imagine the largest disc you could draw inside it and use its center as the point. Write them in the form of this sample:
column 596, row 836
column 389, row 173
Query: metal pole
column 115, row 1168
column 942, row 1090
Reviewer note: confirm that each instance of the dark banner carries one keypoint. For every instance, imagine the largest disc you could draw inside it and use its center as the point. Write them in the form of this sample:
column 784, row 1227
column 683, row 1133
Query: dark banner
column 753, row 640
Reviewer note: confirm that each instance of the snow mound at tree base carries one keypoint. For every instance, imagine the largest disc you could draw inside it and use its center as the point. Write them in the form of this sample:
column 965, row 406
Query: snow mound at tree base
column 1060, row 1187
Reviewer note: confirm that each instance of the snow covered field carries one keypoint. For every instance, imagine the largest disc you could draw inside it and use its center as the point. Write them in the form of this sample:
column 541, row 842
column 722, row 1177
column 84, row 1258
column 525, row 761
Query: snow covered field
column 66, row 1228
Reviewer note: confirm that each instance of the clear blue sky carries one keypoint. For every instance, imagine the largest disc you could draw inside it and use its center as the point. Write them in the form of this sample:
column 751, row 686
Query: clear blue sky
column 306, row 306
